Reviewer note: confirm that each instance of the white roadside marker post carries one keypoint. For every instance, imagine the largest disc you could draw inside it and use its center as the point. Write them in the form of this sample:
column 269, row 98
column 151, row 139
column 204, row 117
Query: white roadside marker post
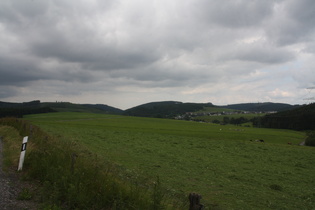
column 23, row 149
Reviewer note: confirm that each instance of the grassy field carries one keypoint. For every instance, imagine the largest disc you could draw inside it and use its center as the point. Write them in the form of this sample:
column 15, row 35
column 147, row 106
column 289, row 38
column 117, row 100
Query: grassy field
column 220, row 162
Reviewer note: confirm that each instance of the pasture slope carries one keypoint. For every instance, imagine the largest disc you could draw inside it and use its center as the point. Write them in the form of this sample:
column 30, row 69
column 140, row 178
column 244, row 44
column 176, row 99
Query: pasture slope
column 219, row 162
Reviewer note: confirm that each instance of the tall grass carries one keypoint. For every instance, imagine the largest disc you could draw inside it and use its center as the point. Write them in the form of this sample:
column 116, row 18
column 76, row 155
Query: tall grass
column 73, row 178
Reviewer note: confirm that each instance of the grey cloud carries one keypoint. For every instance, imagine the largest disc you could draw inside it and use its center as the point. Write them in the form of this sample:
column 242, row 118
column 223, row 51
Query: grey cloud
column 8, row 91
column 153, row 75
column 235, row 14
column 29, row 8
column 19, row 16
column 261, row 54
column 93, row 57
column 293, row 22
column 17, row 71
column 73, row 36
column 21, row 71
column 63, row 37
column 310, row 48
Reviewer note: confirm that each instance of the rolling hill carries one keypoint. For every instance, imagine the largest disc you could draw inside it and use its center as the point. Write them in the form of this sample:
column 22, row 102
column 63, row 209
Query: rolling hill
column 8, row 109
column 165, row 109
column 90, row 108
column 162, row 109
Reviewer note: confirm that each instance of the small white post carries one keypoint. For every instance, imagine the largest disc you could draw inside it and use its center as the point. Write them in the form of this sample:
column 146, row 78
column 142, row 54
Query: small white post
column 23, row 149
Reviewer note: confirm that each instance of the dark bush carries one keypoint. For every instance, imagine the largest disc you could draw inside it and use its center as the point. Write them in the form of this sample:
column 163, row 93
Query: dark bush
column 310, row 140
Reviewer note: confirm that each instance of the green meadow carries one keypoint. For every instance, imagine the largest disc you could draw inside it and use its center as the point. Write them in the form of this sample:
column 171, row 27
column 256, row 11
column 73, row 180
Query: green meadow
column 223, row 163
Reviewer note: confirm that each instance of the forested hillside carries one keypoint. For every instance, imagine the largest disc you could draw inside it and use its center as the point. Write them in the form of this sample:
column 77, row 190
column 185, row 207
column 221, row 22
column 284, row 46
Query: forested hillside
column 8, row 109
column 19, row 109
column 106, row 108
column 263, row 107
column 166, row 109
column 302, row 118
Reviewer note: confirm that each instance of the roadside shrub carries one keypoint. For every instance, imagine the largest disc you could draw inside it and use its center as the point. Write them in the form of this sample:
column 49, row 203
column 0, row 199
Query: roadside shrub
column 310, row 140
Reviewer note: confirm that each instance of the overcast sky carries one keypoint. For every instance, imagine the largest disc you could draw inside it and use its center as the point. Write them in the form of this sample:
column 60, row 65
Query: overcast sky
column 125, row 53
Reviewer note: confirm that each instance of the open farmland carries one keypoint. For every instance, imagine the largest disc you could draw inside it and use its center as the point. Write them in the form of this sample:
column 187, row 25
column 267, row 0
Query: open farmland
column 219, row 162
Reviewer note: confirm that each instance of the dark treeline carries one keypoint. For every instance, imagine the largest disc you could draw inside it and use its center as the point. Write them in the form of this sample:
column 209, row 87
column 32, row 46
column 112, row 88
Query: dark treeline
column 302, row 118
column 20, row 111
column 8, row 109
column 232, row 120
column 31, row 104
column 261, row 107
